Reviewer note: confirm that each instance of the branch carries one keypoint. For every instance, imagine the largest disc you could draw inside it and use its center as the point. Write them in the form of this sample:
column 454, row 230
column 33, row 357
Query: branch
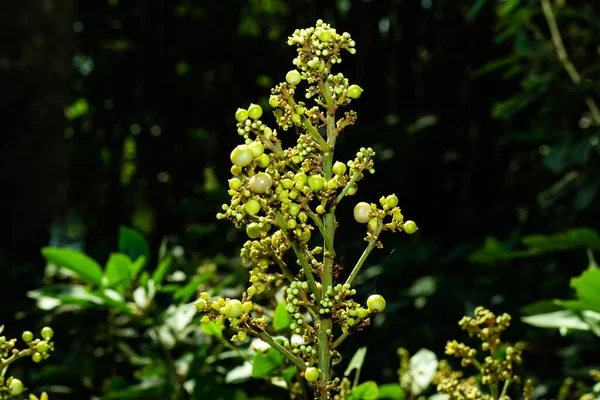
column 292, row 358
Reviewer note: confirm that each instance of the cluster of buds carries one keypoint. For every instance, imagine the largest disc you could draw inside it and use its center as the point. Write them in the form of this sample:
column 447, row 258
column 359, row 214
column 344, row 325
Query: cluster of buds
column 38, row 349
column 284, row 197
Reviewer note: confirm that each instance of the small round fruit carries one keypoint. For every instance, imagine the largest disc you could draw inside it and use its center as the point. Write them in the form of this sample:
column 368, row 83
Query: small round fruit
column 247, row 307
column 339, row 168
column 257, row 148
column 391, row 201
column 264, row 161
column 260, row 182
column 36, row 357
column 252, row 207
column 27, row 336
column 373, row 223
column 293, row 77
column 294, row 209
column 241, row 115
column 253, row 230
column 273, row 101
column 376, row 303
column 325, row 35
column 353, row 189
column 410, row 227
column 201, row 305
column 255, row 111
column 235, row 184
column 233, row 308
column 316, row 182
column 15, row 387
column 354, row 91
column 241, row 156
column 42, row 347
column 47, row 332
column 362, row 212
column 312, row 374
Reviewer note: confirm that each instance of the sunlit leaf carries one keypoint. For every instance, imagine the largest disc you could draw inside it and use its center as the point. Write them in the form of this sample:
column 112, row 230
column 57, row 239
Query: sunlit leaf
column 281, row 317
column 365, row 391
column 81, row 265
column 266, row 364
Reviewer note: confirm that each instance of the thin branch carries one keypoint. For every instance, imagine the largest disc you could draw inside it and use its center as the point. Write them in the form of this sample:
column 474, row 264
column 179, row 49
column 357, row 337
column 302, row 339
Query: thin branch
column 291, row 357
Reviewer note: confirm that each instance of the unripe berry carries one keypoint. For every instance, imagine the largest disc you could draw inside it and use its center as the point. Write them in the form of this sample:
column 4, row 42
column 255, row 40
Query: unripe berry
column 293, row 77
column 354, row 91
column 410, row 227
column 311, row 374
column 362, row 212
column 235, row 184
column 264, row 161
column 241, row 115
column 253, row 230
column 325, row 35
column 27, row 336
column 316, row 182
column 36, row 357
column 301, row 177
column 352, row 191
column 47, row 332
column 247, row 307
column 252, row 207
column 339, row 168
column 241, row 156
column 376, row 303
column 391, row 201
column 260, row 182
column 233, row 308
column 257, row 148
column 255, row 111
column 294, row 209
column 42, row 347
column 15, row 387
column 373, row 223
column 273, row 101
column 201, row 305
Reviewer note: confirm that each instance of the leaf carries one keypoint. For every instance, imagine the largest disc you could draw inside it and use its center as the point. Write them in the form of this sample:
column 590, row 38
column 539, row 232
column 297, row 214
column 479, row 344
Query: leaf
column 162, row 269
column 586, row 194
column 281, row 317
column 240, row 373
column 540, row 307
column 114, row 300
column 476, row 9
column 50, row 297
column 137, row 266
column 153, row 385
column 133, row 244
column 266, row 364
column 117, row 272
column 391, row 391
column 357, row 361
column 557, row 319
column 185, row 293
column 365, row 391
column 587, row 287
column 81, row 265
column 289, row 373
column 213, row 329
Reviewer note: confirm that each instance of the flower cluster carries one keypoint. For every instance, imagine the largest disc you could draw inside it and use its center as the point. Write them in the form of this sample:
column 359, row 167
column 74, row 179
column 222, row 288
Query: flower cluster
column 286, row 198
column 37, row 348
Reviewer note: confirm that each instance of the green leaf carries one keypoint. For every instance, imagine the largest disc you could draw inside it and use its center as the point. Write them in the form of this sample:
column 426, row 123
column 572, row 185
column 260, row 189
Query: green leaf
column 391, row 391
column 114, row 300
column 587, row 287
column 143, row 390
column 281, row 317
column 266, row 364
column 365, row 391
column 133, row 244
column 117, row 272
column 474, row 11
column 137, row 266
column 81, row 265
column 540, row 307
column 185, row 293
column 289, row 373
column 357, row 361
column 50, row 297
column 213, row 329
column 161, row 271
column 565, row 319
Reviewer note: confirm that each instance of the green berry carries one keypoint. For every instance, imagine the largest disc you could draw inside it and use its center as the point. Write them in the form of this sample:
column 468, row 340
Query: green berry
column 36, row 357
column 373, row 223
column 27, row 336
column 264, row 161
column 241, row 115
column 233, row 308
column 257, row 148
column 235, row 184
column 15, row 387
column 361, row 313
column 376, row 303
column 252, row 207
column 296, row 118
column 362, row 212
column 354, row 91
column 201, row 305
column 410, row 227
column 260, row 182
column 291, row 224
column 312, row 374
column 253, row 230
column 339, row 168
column 241, row 156
column 47, row 332
column 301, row 177
column 352, row 191
column 294, row 209
column 42, row 347
column 391, row 201
column 316, row 182
column 273, row 101
column 293, row 77
column 287, row 183
column 325, row 36
column 247, row 306
column 255, row 111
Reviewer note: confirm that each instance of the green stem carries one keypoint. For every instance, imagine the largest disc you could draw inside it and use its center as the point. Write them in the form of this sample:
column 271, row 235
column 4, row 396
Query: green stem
column 300, row 255
column 284, row 268
column 352, row 181
column 372, row 241
column 340, row 339
column 292, row 358
column 505, row 388
column 4, row 363
column 319, row 222
column 315, row 135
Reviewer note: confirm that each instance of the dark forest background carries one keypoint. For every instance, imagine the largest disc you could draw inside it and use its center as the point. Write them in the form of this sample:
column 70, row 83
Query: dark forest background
column 119, row 112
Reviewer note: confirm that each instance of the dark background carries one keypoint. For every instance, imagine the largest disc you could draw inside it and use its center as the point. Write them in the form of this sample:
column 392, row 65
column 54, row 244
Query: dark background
column 121, row 113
